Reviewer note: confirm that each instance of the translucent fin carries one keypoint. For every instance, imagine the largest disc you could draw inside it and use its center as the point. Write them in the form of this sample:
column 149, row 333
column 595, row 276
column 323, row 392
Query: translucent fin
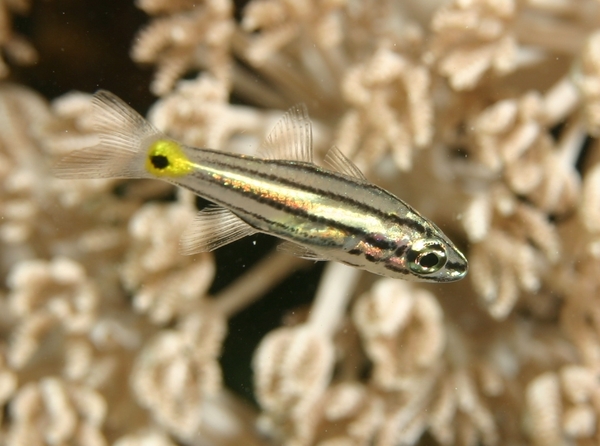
column 122, row 132
column 212, row 228
column 299, row 251
column 291, row 138
column 340, row 163
column 99, row 161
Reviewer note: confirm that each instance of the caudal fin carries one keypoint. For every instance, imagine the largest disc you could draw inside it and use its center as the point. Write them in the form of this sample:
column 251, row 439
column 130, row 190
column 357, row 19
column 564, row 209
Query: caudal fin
column 123, row 133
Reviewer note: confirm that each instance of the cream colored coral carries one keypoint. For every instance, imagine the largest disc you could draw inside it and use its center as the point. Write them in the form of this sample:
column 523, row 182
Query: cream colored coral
column 512, row 146
column 197, row 113
column 430, row 391
column 402, row 330
column 48, row 296
column 21, row 193
column 293, row 365
column 480, row 422
column 177, row 370
column 563, row 406
column 590, row 200
column 472, row 38
column 510, row 139
column 586, row 77
column 580, row 388
column 349, row 414
column 14, row 45
column 508, row 256
column 281, row 22
column 191, row 38
column 391, row 109
column 145, row 438
column 8, row 380
column 165, row 283
column 52, row 412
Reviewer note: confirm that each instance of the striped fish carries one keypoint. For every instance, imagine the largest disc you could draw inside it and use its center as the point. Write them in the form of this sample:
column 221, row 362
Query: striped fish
column 321, row 214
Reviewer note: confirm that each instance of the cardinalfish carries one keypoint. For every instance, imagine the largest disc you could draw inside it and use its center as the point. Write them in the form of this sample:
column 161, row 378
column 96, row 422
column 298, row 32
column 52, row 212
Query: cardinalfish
column 319, row 213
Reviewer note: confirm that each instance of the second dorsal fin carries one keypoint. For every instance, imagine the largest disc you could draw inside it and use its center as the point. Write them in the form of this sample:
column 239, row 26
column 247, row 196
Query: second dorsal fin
column 340, row 163
column 291, row 138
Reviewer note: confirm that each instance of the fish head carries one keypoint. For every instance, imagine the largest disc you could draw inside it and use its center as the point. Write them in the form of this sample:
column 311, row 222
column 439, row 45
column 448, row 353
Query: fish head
column 422, row 252
column 409, row 255
column 431, row 259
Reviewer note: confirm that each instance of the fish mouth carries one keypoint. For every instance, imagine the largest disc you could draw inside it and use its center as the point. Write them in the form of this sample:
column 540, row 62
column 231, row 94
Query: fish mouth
column 456, row 270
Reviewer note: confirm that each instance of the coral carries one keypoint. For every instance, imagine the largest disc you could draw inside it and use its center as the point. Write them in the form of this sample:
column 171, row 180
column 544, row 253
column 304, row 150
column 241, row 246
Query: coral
column 587, row 81
column 177, row 370
column 15, row 46
column 482, row 114
column 401, row 331
column 472, row 38
column 164, row 284
column 391, row 107
column 190, row 38
column 294, row 364
column 54, row 412
column 283, row 22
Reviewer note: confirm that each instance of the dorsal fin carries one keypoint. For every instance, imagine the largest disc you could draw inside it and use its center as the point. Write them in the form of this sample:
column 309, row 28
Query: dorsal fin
column 340, row 163
column 291, row 138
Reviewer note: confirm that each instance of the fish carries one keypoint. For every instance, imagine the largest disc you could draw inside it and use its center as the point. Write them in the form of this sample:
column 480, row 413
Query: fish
column 328, row 213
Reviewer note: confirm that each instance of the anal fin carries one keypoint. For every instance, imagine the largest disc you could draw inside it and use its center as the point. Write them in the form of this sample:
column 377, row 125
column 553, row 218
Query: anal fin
column 212, row 228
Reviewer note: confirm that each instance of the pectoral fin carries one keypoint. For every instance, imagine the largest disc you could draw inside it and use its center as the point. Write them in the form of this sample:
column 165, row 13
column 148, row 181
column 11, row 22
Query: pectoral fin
column 299, row 251
column 212, row 228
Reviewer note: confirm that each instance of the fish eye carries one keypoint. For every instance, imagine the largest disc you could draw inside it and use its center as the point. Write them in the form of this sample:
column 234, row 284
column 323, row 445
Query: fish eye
column 167, row 158
column 426, row 257
column 159, row 161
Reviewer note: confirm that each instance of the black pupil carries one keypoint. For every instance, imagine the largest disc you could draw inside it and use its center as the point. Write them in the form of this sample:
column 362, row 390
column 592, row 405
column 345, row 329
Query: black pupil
column 159, row 161
column 429, row 260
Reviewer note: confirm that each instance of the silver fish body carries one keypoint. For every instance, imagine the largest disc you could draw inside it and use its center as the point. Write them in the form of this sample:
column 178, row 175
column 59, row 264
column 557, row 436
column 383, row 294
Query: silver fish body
column 323, row 214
